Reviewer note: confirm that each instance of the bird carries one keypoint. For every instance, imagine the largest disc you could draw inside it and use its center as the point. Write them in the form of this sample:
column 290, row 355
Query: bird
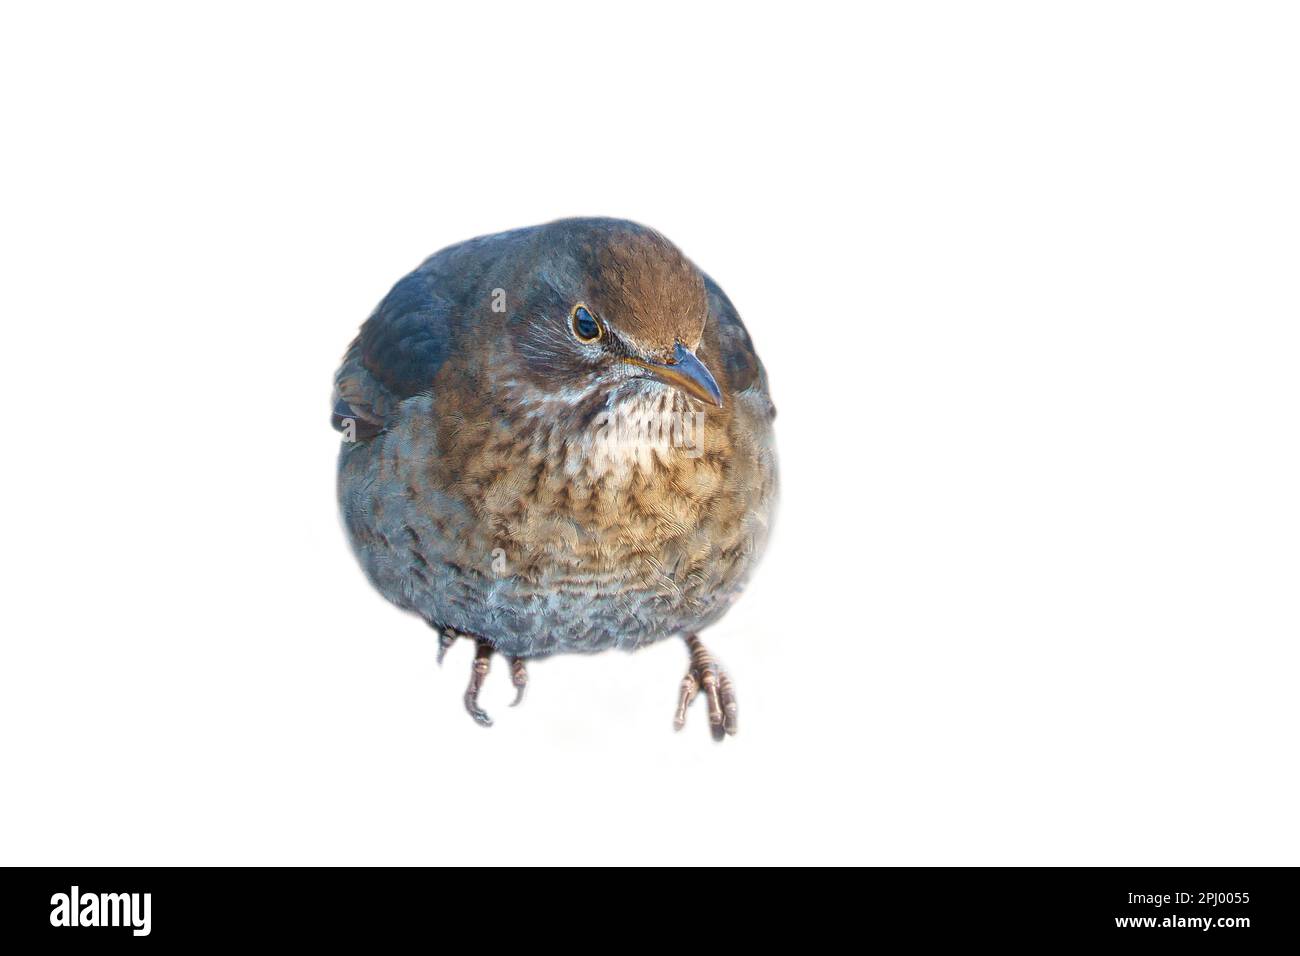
column 559, row 440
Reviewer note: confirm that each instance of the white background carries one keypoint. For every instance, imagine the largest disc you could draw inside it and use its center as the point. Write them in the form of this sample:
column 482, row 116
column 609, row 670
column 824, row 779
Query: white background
column 1025, row 281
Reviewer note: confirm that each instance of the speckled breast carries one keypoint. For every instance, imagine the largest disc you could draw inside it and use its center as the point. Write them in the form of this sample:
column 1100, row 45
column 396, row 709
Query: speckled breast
column 541, row 540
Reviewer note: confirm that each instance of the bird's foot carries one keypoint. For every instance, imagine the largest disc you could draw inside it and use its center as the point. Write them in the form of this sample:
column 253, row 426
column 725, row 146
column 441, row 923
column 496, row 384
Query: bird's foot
column 479, row 671
column 705, row 674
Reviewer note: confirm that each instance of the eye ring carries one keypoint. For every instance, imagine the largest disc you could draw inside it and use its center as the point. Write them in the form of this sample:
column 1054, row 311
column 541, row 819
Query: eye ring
column 586, row 327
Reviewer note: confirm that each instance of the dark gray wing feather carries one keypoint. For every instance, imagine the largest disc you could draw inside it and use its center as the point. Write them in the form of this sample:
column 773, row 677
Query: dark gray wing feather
column 396, row 355
column 740, row 363
column 409, row 336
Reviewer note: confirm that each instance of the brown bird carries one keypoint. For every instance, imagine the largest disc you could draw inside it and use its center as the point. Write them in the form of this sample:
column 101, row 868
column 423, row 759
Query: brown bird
column 559, row 440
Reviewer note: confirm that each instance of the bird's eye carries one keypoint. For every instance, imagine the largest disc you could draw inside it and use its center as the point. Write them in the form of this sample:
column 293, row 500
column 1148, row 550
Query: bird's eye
column 586, row 327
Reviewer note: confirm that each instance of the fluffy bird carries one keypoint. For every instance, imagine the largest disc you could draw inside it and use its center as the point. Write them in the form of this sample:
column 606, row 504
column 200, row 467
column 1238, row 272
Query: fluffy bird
column 558, row 440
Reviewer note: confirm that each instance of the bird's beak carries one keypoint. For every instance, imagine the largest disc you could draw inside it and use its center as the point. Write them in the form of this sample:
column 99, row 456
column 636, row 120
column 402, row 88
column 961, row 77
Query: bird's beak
column 686, row 372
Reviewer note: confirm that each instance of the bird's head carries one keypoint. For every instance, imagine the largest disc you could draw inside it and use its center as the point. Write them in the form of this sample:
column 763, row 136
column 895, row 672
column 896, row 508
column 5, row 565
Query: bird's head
column 612, row 305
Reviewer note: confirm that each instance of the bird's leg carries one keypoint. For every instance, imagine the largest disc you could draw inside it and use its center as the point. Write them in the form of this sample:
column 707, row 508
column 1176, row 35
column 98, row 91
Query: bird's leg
column 518, row 677
column 446, row 638
column 482, row 657
column 705, row 674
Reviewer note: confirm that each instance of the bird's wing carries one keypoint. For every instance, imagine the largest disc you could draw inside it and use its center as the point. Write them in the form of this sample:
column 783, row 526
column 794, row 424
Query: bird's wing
column 727, row 334
column 396, row 355
column 405, row 342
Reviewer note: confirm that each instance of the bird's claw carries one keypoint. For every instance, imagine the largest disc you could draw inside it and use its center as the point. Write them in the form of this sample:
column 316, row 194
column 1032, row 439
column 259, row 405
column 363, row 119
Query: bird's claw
column 518, row 677
column 704, row 673
column 690, row 688
column 478, row 673
column 445, row 639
